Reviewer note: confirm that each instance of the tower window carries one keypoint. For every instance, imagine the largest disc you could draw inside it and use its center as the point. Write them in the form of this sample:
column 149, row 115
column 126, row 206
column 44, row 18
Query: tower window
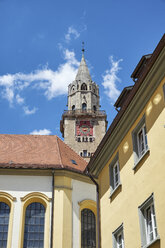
column 90, row 139
column 83, row 86
column 84, row 153
column 84, row 106
column 94, row 108
column 73, row 107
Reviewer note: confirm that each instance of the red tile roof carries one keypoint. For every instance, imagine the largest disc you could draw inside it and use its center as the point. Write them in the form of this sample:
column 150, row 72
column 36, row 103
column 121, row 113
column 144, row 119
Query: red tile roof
column 38, row 152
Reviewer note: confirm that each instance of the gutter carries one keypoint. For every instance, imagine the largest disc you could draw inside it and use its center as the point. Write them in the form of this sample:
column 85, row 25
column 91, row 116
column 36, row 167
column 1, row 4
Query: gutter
column 98, row 208
column 52, row 212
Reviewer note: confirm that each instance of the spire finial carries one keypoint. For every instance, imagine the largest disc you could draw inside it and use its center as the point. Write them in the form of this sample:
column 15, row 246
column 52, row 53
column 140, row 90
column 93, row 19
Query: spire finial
column 83, row 50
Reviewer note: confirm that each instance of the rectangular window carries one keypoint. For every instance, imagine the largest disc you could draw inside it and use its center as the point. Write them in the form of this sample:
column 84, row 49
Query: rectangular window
column 116, row 175
column 142, row 141
column 114, row 172
column 139, row 137
column 148, row 222
column 118, row 237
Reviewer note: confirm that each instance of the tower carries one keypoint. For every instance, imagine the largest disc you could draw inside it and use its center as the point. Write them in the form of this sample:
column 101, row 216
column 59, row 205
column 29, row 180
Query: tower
column 83, row 125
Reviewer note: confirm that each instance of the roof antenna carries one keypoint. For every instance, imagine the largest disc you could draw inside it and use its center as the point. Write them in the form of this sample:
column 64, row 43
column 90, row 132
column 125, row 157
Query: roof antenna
column 83, row 50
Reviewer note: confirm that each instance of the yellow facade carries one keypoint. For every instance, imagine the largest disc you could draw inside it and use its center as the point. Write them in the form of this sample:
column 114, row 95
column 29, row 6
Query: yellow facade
column 138, row 181
column 138, row 185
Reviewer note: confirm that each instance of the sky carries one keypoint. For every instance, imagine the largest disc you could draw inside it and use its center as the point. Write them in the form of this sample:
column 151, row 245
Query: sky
column 40, row 51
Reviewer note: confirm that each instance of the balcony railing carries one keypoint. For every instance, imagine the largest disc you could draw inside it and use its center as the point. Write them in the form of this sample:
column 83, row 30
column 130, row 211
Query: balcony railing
column 84, row 112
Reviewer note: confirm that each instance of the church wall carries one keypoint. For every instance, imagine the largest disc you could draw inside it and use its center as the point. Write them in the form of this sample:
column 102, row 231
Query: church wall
column 20, row 186
column 80, row 191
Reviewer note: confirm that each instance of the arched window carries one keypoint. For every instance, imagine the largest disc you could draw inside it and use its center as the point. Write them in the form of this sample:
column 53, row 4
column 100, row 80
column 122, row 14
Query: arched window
column 73, row 107
column 94, row 107
column 88, row 229
column 4, row 223
column 83, row 86
column 34, row 225
column 84, row 106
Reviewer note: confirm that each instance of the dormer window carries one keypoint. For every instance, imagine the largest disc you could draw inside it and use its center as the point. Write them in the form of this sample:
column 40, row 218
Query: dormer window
column 83, row 86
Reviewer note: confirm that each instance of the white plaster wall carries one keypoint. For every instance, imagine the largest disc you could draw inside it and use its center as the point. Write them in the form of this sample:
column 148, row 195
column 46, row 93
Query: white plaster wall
column 19, row 186
column 81, row 191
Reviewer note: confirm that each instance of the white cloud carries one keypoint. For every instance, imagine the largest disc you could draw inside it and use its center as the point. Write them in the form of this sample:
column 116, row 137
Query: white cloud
column 52, row 83
column 27, row 111
column 41, row 132
column 19, row 99
column 110, row 80
column 72, row 32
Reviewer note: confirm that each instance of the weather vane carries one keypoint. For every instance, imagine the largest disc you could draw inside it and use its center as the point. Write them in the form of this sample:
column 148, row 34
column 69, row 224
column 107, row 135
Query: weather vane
column 83, row 50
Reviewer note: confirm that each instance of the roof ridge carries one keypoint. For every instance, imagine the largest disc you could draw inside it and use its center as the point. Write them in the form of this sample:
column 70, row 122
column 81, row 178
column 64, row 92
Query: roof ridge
column 59, row 152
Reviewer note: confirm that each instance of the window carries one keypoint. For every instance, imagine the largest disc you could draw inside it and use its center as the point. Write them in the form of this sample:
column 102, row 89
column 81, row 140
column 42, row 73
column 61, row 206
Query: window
column 114, row 172
column 142, row 141
column 84, row 106
column 73, row 107
column 148, row 225
column 35, row 220
column 118, row 237
column 4, row 222
column 88, row 229
column 83, row 86
column 116, row 175
column 140, row 144
column 6, row 219
column 94, row 108
column 34, row 225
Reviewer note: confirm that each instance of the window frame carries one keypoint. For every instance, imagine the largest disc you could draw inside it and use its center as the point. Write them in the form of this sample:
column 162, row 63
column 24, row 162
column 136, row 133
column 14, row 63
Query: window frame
column 90, row 204
column 137, row 145
column 9, row 200
column 144, row 219
column 115, row 237
column 31, row 198
column 115, row 163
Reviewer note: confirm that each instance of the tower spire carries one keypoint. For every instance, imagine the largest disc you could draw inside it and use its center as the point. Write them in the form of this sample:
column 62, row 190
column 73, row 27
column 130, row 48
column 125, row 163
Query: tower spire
column 83, row 72
column 83, row 50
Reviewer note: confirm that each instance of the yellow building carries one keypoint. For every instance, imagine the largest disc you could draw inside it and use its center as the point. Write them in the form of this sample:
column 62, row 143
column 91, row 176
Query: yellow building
column 129, row 161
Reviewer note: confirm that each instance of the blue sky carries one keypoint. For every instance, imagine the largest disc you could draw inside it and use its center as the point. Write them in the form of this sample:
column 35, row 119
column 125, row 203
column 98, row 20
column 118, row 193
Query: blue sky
column 40, row 50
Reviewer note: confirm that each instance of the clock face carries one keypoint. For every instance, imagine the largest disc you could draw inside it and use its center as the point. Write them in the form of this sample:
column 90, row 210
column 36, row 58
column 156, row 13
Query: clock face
column 84, row 128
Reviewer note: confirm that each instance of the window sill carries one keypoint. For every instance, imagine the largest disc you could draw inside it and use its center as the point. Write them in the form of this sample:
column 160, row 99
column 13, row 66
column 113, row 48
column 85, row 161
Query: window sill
column 114, row 190
column 141, row 158
column 151, row 243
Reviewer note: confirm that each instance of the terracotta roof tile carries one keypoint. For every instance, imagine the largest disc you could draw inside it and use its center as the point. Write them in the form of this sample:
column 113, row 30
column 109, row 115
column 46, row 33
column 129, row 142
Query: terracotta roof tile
column 37, row 151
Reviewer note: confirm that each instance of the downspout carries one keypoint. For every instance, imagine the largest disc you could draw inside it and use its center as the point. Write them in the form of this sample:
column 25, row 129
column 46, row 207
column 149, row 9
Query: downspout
column 98, row 208
column 52, row 212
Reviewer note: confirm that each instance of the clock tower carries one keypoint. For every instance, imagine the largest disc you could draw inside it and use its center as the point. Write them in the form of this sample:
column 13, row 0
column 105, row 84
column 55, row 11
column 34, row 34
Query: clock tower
column 83, row 125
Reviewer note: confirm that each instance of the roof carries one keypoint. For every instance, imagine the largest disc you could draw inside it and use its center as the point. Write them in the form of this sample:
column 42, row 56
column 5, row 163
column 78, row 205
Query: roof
column 38, row 152
column 129, row 99
column 83, row 72
column 123, row 96
column 140, row 66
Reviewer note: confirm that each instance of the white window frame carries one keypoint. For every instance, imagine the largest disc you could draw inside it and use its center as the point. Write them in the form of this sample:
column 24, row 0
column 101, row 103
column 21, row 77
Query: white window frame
column 142, row 142
column 116, row 237
column 114, row 170
column 138, row 142
column 148, row 224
